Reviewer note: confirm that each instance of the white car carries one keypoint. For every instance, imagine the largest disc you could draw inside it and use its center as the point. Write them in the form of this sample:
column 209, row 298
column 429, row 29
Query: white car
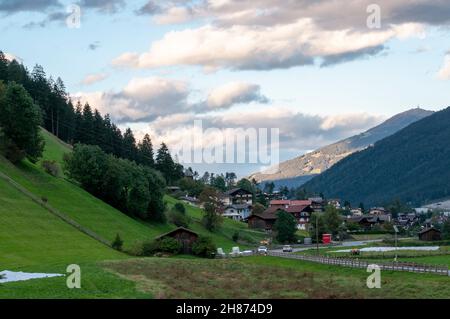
column 262, row 250
column 287, row 249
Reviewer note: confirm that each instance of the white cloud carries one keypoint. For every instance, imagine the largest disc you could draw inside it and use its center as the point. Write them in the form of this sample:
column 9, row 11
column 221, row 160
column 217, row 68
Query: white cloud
column 11, row 57
column 233, row 93
column 444, row 72
column 94, row 78
column 263, row 47
column 141, row 99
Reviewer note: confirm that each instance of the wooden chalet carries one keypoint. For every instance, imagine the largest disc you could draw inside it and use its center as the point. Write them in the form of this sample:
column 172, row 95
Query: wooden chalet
column 430, row 234
column 184, row 236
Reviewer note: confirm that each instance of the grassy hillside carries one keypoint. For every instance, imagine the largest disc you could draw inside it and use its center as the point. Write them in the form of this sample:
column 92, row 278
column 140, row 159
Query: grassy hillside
column 98, row 216
column 30, row 235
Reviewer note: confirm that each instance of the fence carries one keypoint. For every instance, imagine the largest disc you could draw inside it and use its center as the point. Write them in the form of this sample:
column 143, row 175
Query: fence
column 396, row 266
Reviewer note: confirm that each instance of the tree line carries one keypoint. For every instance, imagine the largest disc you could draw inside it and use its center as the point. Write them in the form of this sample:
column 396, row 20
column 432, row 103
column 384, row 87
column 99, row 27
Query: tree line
column 74, row 124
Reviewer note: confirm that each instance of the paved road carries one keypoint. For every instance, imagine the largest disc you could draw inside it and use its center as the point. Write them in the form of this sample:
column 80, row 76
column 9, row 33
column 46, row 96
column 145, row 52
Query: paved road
column 321, row 246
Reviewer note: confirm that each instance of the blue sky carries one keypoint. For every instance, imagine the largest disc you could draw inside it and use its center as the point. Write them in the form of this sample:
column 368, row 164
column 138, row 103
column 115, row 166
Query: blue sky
column 342, row 99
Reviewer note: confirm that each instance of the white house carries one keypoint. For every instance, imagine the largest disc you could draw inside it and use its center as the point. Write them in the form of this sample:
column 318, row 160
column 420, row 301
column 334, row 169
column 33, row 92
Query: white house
column 238, row 211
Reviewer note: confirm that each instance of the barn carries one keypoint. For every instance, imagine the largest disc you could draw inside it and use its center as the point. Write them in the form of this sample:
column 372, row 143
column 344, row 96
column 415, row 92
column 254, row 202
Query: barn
column 264, row 221
column 430, row 234
column 184, row 236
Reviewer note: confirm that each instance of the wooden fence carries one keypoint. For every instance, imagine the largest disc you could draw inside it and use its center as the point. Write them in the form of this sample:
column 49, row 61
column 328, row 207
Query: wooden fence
column 356, row 263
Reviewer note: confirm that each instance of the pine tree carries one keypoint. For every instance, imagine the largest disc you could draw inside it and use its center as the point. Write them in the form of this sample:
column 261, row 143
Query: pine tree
column 19, row 123
column 164, row 163
column 129, row 145
column 145, row 156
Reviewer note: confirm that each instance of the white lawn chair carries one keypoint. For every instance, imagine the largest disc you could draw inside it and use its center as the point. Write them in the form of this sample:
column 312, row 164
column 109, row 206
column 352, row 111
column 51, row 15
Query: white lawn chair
column 235, row 252
column 220, row 253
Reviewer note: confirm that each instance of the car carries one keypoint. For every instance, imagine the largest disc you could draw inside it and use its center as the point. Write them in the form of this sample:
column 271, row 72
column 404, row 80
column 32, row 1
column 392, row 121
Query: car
column 287, row 249
column 262, row 250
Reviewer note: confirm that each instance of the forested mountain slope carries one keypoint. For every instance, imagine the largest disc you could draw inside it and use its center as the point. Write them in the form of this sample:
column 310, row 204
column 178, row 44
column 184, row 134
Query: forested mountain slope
column 412, row 165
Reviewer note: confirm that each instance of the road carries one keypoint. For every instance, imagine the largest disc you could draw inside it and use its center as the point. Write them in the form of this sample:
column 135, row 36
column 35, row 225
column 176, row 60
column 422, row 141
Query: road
column 321, row 246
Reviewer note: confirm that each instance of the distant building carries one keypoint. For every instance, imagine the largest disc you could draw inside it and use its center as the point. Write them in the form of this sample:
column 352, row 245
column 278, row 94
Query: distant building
column 238, row 212
column 336, row 203
column 184, row 236
column 300, row 209
column 317, row 204
column 377, row 211
column 430, row 234
column 190, row 200
column 237, row 196
column 188, row 174
column 356, row 212
column 264, row 221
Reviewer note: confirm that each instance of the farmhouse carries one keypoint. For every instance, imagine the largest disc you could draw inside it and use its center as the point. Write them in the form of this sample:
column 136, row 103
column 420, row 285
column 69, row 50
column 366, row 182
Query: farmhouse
column 184, row 236
column 430, row 234
column 237, row 196
column 265, row 221
column 238, row 211
column 300, row 209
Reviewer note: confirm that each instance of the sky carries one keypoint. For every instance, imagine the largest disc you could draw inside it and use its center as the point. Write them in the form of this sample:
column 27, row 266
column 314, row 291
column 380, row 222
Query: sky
column 317, row 71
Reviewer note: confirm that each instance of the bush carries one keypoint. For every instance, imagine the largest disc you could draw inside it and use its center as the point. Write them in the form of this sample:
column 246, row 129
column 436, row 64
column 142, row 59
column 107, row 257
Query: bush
column 51, row 167
column 179, row 207
column 204, row 247
column 179, row 219
column 117, row 243
column 235, row 236
column 165, row 245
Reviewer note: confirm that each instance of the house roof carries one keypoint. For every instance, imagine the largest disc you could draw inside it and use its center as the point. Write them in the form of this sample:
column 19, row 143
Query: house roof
column 290, row 202
column 239, row 206
column 426, row 230
column 176, row 230
column 267, row 214
column 235, row 191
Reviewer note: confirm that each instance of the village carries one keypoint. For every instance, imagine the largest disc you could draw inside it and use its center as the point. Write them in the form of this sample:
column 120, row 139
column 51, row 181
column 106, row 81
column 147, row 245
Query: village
column 423, row 224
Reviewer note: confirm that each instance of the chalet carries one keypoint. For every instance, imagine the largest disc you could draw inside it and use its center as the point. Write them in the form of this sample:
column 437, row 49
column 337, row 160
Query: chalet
column 300, row 209
column 189, row 174
column 184, row 236
column 336, row 203
column 264, row 221
column 190, row 200
column 430, row 234
column 317, row 204
column 368, row 221
column 237, row 211
column 357, row 212
column 237, row 196
column 377, row 211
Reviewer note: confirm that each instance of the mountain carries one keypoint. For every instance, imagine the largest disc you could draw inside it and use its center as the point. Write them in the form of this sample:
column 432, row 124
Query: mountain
column 411, row 165
column 295, row 172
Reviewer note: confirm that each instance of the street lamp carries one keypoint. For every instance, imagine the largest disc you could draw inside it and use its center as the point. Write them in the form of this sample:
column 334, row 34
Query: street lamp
column 396, row 231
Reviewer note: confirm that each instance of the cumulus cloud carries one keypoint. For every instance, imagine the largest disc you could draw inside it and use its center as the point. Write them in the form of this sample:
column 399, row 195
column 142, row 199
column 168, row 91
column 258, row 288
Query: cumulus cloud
column 264, row 47
column 141, row 99
column 444, row 72
column 94, row 78
column 298, row 130
column 156, row 98
column 233, row 93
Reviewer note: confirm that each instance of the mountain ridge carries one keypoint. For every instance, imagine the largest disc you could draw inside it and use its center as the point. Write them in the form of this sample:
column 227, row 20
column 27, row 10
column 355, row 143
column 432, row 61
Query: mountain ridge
column 410, row 165
column 296, row 171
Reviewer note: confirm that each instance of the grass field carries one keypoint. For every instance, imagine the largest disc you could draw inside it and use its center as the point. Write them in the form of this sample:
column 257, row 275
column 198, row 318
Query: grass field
column 34, row 240
column 269, row 277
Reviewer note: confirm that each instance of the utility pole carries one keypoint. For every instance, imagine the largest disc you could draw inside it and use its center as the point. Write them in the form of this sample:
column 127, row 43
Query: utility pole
column 317, row 233
column 396, row 251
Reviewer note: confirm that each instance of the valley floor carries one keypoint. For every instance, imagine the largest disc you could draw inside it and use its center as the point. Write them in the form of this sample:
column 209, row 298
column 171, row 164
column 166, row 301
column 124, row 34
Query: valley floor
column 247, row 277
